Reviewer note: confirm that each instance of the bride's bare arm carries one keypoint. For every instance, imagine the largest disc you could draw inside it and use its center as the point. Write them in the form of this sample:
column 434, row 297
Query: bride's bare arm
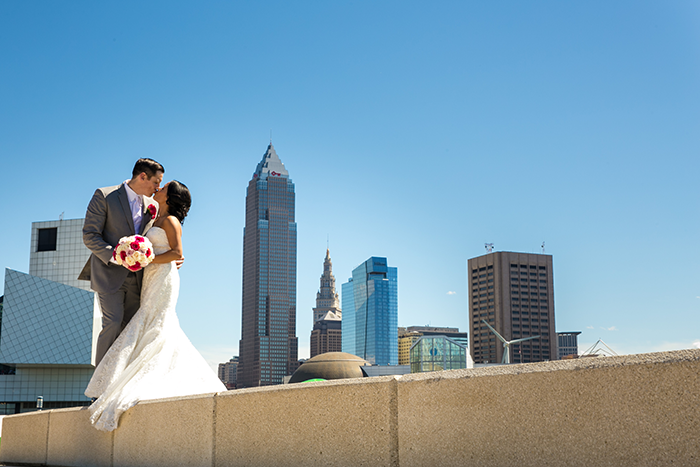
column 173, row 230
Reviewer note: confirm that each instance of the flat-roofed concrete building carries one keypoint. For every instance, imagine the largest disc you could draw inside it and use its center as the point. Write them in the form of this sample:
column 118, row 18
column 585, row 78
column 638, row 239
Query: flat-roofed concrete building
column 514, row 293
column 568, row 343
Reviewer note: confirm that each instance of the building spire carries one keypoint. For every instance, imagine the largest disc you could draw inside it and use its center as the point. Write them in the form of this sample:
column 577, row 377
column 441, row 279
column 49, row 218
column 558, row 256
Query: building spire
column 270, row 165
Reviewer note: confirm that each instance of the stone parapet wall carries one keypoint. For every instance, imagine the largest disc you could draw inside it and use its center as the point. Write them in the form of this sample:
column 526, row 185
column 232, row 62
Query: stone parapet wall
column 638, row 410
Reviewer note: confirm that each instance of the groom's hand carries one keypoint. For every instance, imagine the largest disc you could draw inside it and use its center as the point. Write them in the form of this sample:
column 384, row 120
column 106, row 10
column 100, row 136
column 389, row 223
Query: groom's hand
column 179, row 262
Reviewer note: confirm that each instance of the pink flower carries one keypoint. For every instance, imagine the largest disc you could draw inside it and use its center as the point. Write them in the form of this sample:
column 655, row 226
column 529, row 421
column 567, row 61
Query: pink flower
column 135, row 267
column 135, row 246
column 138, row 238
column 152, row 209
column 114, row 254
column 123, row 255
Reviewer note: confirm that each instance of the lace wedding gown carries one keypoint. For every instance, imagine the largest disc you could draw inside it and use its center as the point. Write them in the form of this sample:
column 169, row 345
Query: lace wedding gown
column 152, row 358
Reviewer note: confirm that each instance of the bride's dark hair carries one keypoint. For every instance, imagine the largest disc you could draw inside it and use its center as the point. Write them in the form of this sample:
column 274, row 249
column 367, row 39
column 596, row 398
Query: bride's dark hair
column 179, row 200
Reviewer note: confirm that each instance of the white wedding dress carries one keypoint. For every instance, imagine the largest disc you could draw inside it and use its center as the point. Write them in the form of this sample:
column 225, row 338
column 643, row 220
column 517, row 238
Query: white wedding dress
column 152, row 358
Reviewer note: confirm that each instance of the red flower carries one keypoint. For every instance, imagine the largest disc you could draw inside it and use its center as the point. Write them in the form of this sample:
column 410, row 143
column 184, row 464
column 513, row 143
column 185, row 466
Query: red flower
column 123, row 255
column 135, row 246
column 138, row 238
column 152, row 209
column 114, row 254
column 135, row 267
column 148, row 253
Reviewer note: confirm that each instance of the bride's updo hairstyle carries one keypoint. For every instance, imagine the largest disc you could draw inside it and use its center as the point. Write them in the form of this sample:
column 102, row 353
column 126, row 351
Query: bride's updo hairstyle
column 179, row 200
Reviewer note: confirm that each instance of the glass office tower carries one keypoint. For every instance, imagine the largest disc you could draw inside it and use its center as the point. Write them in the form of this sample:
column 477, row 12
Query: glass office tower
column 269, row 346
column 370, row 312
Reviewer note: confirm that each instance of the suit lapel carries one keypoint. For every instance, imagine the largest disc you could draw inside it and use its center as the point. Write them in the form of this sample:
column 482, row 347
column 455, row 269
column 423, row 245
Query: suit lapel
column 124, row 199
column 146, row 218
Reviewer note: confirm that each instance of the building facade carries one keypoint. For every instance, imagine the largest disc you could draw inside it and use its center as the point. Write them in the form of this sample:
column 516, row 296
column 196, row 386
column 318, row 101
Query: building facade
column 370, row 312
column 514, row 293
column 567, row 343
column 49, row 325
column 268, row 345
column 406, row 340
column 326, row 335
column 228, row 373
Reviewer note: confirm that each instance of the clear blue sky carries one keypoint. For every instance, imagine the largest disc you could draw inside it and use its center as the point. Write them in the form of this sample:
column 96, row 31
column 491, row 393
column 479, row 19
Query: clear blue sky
column 413, row 130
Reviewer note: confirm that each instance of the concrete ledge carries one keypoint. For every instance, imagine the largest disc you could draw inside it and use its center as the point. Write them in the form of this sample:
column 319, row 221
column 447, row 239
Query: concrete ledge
column 25, row 438
column 630, row 410
column 73, row 441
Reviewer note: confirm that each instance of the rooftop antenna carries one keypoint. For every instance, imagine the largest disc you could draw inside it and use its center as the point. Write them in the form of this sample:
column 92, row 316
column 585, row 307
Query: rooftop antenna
column 270, row 135
column 507, row 344
column 60, row 218
column 328, row 241
column 543, row 247
column 489, row 247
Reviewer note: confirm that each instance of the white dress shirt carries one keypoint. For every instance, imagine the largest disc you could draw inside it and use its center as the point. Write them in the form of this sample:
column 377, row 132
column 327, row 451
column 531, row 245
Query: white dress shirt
column 136, row 204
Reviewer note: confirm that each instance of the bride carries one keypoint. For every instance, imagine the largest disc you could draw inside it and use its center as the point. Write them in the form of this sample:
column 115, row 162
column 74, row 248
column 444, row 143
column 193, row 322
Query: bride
column 152, row 358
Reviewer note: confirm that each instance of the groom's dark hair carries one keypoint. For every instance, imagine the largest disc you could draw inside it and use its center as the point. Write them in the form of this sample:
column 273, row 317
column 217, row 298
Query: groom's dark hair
column 147, row 166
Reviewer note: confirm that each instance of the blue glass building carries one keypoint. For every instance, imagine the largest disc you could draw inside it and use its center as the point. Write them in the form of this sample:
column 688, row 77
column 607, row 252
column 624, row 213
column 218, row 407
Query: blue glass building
column 370, row 312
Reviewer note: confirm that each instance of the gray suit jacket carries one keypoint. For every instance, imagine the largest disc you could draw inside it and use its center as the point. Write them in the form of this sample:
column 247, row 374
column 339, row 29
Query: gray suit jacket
column 108, row 219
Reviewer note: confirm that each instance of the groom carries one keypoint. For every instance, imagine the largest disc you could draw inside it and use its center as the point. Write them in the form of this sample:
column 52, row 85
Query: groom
column 115, row 212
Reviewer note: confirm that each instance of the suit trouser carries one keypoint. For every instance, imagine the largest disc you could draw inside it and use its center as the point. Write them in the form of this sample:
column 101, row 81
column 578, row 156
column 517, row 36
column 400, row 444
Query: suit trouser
column 117, row 310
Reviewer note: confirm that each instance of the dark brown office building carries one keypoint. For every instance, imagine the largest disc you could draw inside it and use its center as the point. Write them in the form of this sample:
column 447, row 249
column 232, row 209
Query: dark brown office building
column 269, row 347
column 327, row 335
column 514, row 293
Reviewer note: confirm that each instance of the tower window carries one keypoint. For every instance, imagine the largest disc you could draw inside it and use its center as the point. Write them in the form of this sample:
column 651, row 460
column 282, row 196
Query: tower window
column 47, row 239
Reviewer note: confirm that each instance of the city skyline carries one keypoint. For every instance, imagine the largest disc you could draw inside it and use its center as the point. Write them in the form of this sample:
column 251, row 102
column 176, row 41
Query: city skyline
column 415, row 132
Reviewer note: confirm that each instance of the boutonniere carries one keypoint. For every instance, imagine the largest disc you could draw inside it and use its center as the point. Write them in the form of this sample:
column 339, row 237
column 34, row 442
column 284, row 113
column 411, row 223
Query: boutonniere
column 152, row 209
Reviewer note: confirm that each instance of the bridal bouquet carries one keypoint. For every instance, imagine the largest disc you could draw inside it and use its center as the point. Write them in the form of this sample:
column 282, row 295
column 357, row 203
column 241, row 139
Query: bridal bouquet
column 134, row 252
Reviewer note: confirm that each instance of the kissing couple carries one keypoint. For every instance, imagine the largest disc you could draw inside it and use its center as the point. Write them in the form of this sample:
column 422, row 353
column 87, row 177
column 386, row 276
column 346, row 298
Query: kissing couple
column 142, row 353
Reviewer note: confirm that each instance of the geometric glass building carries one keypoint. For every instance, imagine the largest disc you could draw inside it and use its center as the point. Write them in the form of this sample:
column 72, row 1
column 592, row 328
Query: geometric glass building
column 436, row 353
column 514, row 293
column 370, row 312
column 409, row 335
column 268, row 346
column 49, row 328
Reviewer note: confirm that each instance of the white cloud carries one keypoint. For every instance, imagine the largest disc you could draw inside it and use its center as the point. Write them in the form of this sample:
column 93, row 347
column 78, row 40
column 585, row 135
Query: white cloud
column 696, row 344
column 590, row 327
column 451, row 292
column 611, row 328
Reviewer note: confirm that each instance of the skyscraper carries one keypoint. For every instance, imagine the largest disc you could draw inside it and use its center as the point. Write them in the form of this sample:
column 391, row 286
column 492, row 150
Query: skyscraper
column 269, row 346
column 370, row 312
column 327, row 297
column 514, row 293
column 325, row 336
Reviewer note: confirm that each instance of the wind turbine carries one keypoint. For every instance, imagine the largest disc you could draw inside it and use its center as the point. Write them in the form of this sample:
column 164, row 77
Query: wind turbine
column 507, row 344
